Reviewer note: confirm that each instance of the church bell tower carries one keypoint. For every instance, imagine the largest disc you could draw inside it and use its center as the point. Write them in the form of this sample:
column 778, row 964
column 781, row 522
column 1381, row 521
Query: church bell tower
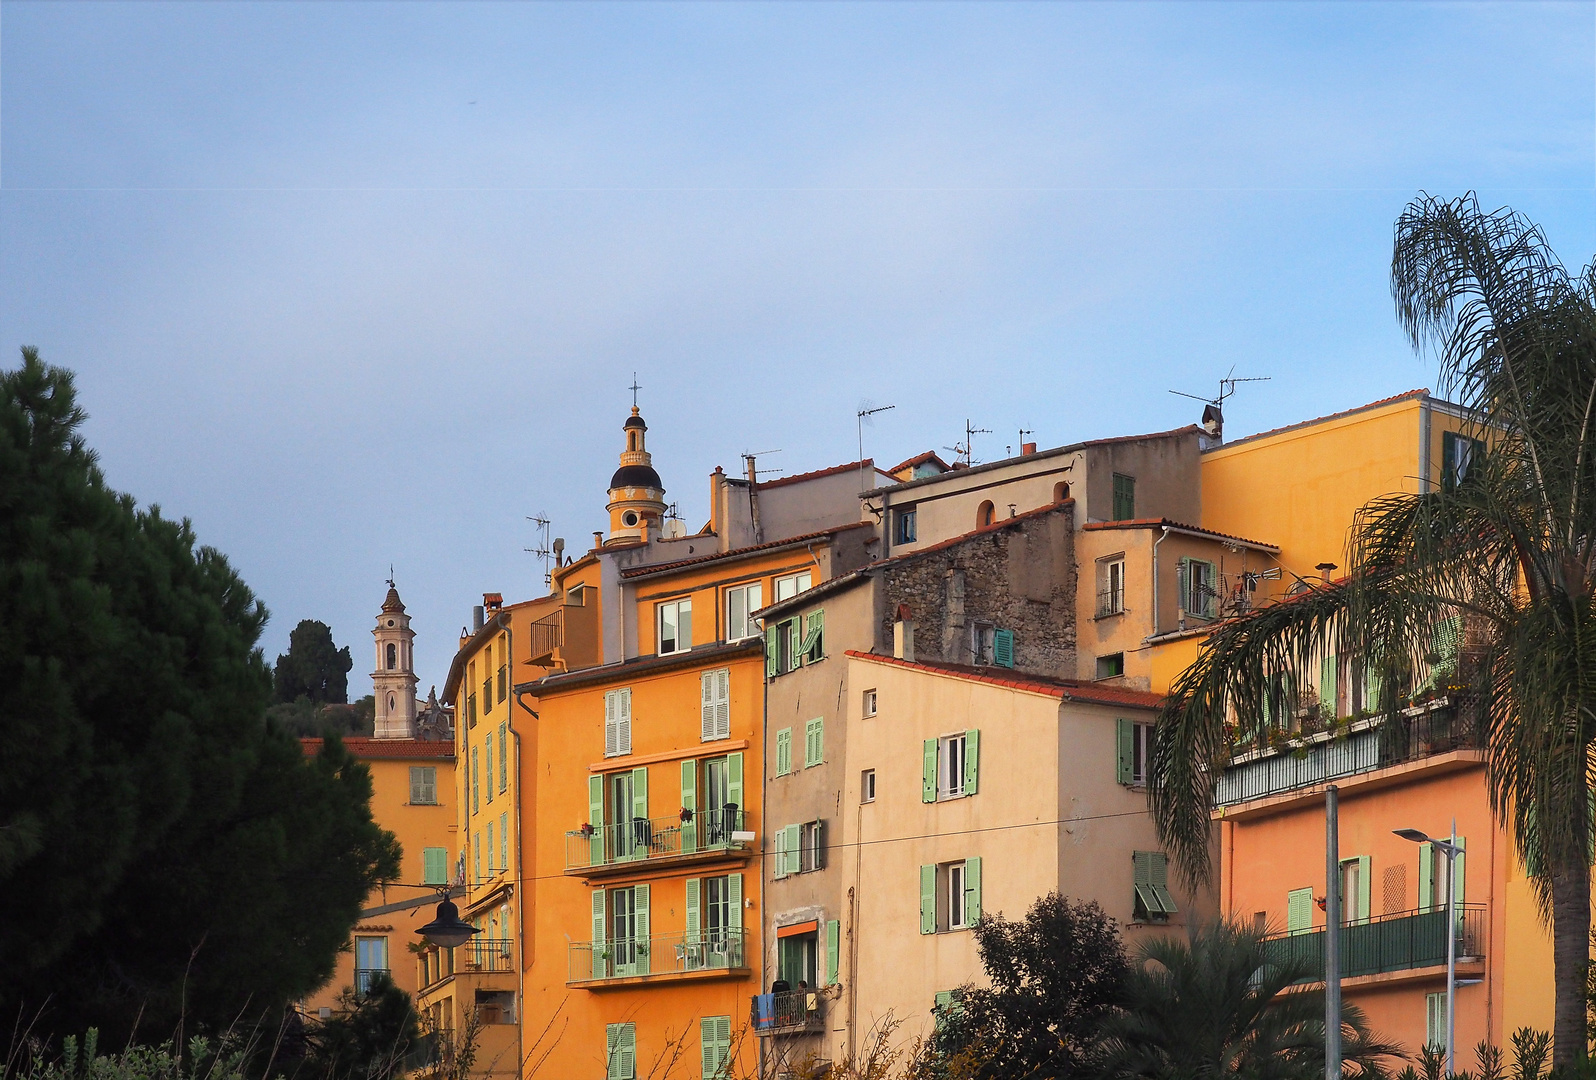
column 394, row 680
column 637, row 497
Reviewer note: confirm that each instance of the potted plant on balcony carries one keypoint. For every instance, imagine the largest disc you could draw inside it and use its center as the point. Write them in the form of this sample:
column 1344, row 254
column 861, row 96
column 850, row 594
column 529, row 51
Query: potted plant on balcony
column 686, row 815
column 586, row 829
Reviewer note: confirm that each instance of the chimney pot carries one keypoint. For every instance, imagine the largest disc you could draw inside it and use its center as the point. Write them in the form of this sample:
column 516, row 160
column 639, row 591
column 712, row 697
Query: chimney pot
column 476, row 618
column 1027, row 449
column 903, row 639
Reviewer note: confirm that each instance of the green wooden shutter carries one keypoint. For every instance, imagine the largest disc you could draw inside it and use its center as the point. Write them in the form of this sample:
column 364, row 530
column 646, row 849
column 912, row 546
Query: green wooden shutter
column 833, row 950
column 928, row 899
column 695, row 911
column 734, row 901
column 504, row 756
column 1458, row 866
column 612, row 1051
column 640, row 793
column 628, row 1052
column 1365, row 889
column 600, row 965
column 972, row 761
column 504, row 841
column 779, row 868
column 641, row 934
column 1158, row 878
column 1299, row 910
column 1426, row 877
column 435, row 865
column 814, row 742
column 784, row 751
column 734, row 781
column 794, row 848
column 623, row 716
column 487, row 753
column 928, row 774
column 770, row 652
column 1327, row 685
column 1003, row 648
column 595, row 818
column 972, row 891
column 813, row 646
column 689, row 833
column 475, row 780
column 1125, row 733
column 707, row 1048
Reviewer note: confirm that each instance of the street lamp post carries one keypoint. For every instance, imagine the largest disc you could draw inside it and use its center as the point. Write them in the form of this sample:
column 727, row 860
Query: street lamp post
column 1448, row 847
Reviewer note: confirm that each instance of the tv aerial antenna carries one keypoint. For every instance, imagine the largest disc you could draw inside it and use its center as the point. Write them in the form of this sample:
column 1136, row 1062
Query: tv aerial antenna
column 543, row 549
column 749, row 467
column 867, row 409
column 1214, row 407
column 966, row 450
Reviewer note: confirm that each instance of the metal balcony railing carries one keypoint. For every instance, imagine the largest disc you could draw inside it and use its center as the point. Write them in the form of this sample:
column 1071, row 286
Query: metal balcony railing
column 546, row 634
column 1307, row 758
column 365, row 977
column 659, row 954
column 1398, row 942
column 1110, row 602
column 485, row 954
column 707, row 831
column 793, row 1012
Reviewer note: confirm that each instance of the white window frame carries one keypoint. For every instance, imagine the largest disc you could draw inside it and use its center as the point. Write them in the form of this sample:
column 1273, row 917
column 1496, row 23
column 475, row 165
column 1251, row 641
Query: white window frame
column 751, row 595
column 1141, row 748
column 790, row 585
column 870, row 702
column 677, row 608
column 952, row 895
column 1111, row 586
column 950, row 766
column 811, row 846
column 867, row 786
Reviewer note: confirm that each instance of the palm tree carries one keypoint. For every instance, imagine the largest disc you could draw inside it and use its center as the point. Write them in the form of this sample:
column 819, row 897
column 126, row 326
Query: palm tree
column 1507, row 552
column 1221, row 1006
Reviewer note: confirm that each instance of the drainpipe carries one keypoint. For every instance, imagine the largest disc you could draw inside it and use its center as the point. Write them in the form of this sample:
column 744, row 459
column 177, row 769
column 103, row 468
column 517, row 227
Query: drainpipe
column 520, row 877
column 1160, row 540
column 764, row 815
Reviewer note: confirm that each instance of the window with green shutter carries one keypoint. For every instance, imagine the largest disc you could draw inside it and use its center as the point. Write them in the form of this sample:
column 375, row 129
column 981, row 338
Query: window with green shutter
column 1154, row 903
column 487, row 754
column 714, row 1040
column 1329, row 672
column 1003, row 648
column 504, row 756
column 1299, row 910
column 1124, row 497
column 423, row 785
column 434, row 866
column 972, row 761
column 928, row 899
column 813, row 649
column 814, row 742
column 689, row 834
column 972, row 891
column 475, row 785
column 928, row 776
column 504, row 841
column 620, row 1051
column 833, row 951
column 784, row 751
column 1458, row 455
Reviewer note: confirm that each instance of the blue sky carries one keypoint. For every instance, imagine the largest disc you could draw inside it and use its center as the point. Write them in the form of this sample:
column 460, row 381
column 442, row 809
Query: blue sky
column 359, row 284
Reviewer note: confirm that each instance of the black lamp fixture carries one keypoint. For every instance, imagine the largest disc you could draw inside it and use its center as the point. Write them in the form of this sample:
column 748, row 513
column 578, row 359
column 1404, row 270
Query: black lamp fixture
column 447, row 931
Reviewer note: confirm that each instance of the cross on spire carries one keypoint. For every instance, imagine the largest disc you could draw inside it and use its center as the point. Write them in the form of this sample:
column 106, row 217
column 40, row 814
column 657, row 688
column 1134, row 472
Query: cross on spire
column 634, row 388
column 391, row 585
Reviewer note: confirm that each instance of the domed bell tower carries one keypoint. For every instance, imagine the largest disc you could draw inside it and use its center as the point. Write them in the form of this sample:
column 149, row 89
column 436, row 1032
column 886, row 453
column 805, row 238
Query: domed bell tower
column 394, row 681
column 637, row 498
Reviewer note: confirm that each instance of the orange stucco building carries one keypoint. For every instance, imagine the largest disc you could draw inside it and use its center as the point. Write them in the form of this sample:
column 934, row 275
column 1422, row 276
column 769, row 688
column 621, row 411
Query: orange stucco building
column 1299, row 488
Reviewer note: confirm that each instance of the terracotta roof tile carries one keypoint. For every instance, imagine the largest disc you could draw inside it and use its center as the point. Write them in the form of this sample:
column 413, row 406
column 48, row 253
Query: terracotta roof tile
column 1064, row 689
column 643, row 571
column 919, row 459
column 1322, row 419
column 366, row 748
column 1159, row 523
column 799, row 478
column 996, row 526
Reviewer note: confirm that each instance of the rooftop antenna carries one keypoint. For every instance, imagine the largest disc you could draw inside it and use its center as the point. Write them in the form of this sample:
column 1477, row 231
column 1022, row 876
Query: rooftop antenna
column 966, row 450
column 867, row 409
column 542, row 550
column 1214, row 407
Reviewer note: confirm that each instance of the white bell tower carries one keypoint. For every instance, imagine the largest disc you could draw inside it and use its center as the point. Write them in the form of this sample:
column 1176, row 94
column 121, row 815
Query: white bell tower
column 394, row 681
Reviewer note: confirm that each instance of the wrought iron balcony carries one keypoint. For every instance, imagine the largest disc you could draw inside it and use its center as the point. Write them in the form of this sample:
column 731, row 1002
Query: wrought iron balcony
column 1399, row 942
column 794, row 1012
column 365, row 978
column 1110, row 602
column 707, row 832
column 1302, row 759
column 659, row 954
column 485, row 954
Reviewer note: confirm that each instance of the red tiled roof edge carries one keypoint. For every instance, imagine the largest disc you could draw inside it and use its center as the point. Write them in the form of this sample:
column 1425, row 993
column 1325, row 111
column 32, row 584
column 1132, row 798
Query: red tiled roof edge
column 641, row 571
column 363, row 747
column 797, row 478
column 1392, row 400
column 919, row 459
column 1089, row 694
column 1158, row 523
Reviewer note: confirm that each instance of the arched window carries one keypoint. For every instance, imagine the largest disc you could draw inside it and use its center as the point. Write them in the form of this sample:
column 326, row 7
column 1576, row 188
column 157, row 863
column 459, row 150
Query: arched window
column 1061, row 491
column 631, row 440
column 393, row 656
column 984, row 514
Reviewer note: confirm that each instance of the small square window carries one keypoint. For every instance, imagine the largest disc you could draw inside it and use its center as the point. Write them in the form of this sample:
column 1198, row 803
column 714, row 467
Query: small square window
column 906, row 530
column 793, row 584
column 870, row 702
column 950, row 766
column 867, row 786
column 1111, row 666
column 741, row 602
column 675, row 626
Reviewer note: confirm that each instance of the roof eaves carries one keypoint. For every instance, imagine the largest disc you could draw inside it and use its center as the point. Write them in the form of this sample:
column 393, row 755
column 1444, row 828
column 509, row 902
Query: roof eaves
column 639, row 665
column 457, row 665
column 996, row 526
column 640, row 572
column 1382, row 403
column 1195, row 530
